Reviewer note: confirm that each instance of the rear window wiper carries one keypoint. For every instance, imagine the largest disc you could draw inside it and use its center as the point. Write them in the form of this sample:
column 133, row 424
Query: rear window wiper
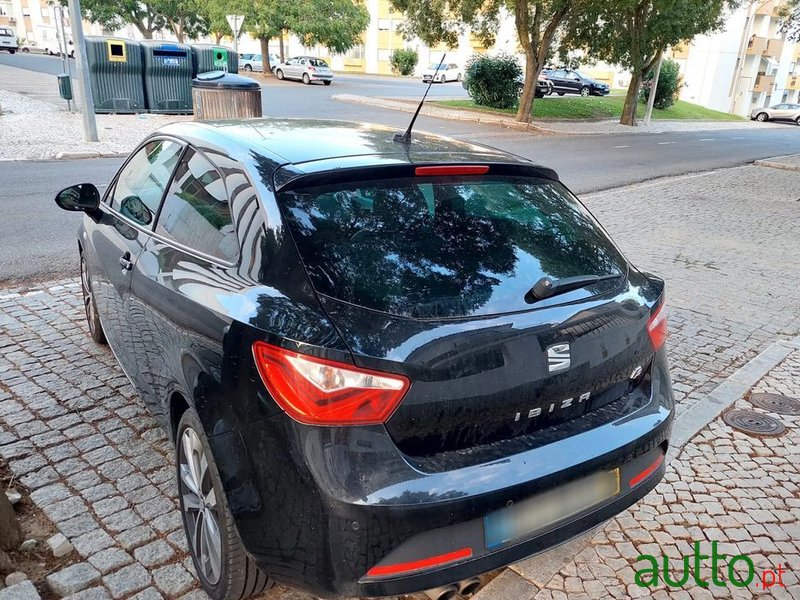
column 547, row 286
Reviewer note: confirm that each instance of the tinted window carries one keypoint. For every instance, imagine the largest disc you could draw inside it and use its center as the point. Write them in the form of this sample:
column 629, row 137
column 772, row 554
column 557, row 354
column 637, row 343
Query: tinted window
column 196, row 211
column 437, row 248
column 318, row 62
column 142, row 182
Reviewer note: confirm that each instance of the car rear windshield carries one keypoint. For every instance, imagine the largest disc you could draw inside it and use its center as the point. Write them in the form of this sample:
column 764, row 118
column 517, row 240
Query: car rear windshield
column 4, row 31
column 317, row 62
column 444, row 247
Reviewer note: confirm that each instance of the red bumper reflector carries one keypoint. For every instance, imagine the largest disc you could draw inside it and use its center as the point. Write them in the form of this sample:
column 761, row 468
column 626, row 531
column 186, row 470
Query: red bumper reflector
column 647, row 472
column 423, row 563
column 452, row 170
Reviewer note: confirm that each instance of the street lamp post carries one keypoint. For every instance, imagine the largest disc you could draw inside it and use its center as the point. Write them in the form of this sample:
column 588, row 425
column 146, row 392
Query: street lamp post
column 87, row 101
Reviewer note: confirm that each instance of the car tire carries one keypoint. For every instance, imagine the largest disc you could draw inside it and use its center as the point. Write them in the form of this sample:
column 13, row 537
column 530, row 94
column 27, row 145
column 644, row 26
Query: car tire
column 549, row 91
column 248, row 68
column 306, row 79
column 443, row 79
column 459, row 78
column 279, row 74
column 26, row 50
column 226, row 572
column 797, row 120
column 585, row 91
column 761, row 117
column 90, row 306
column 326, row 82
column 561, row 93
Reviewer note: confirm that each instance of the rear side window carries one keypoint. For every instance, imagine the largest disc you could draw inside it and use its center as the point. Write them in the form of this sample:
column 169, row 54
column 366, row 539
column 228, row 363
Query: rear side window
column 438, row 248
column 196, row 212
column 141, row 184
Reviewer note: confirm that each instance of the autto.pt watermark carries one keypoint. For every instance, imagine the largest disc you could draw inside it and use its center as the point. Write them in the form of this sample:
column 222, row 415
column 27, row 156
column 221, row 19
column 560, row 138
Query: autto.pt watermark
column 706, row 570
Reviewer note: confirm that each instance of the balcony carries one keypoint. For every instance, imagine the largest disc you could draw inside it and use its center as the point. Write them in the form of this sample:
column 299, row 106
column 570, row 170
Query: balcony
column 774, row 48
column 769, row 7
column 793, row 82
column 756, row 45
column 764, row 83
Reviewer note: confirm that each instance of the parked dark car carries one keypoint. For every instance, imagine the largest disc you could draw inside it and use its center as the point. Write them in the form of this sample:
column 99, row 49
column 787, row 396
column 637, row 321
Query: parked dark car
column 386, row 367
column 570, row 81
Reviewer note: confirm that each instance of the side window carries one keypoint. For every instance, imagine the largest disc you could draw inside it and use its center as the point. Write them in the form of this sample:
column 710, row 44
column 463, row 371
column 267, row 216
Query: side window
column 196, row 212
column 141, row 184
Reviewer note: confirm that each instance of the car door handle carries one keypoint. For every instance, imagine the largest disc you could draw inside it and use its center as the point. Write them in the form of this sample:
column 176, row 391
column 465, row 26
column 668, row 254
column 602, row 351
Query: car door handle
column 125, row 261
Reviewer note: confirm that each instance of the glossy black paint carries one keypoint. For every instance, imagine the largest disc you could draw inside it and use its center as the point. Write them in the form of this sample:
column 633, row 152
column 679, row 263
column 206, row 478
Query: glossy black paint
column 568, row 81
column 318, row 507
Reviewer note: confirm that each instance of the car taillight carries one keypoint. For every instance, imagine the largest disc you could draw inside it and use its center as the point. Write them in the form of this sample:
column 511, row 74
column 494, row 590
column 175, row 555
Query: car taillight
column 316, row 391
column 657, row 327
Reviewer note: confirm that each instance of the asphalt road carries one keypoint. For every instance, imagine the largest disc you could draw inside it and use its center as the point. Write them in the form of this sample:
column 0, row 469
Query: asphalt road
column 585, row 163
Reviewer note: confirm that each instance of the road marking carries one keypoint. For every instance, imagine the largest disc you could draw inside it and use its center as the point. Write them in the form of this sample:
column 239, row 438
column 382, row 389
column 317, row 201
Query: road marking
column 706, row 140
column 665, row 143
column 621, row 146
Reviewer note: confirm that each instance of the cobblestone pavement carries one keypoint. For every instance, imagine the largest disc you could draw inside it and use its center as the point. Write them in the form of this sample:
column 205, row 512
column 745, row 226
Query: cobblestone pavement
column 727, row 487
column 75, row 433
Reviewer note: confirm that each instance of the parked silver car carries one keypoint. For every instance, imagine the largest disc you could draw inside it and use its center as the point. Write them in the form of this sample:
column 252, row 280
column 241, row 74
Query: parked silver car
column 778, row 112
column 305, row 69
column 255, row 62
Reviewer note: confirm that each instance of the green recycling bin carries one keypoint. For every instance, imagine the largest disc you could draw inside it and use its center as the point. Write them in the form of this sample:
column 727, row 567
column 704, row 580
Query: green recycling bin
column 167, row 77
column 115, row 75
column 207, row 57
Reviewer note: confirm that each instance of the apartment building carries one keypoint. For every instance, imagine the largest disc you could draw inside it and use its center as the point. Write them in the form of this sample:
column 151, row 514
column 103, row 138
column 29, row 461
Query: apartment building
column 748, row 64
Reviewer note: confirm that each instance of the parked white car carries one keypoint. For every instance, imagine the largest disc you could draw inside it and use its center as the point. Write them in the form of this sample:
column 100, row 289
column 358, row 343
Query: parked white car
column 53, row 47
column 8, row 41
column 442, row 74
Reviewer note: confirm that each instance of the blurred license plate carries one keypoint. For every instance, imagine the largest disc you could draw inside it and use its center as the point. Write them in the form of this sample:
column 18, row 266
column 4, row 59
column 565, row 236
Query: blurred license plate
column 548, row 508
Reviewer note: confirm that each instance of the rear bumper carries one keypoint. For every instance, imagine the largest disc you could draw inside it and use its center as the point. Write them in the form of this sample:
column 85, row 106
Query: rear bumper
column 320, row 77
column 319, row 507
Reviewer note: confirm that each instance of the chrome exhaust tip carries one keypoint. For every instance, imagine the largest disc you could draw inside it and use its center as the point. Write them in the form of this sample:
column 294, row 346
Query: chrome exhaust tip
column 445, row 592
column 469, row 586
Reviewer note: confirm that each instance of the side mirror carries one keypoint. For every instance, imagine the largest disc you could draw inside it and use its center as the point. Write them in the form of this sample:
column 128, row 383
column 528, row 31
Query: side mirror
column 83, row 196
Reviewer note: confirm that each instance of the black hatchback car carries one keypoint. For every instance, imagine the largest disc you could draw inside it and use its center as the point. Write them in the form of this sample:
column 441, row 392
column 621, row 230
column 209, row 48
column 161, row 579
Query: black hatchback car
column 570, row 81
column 386, row 367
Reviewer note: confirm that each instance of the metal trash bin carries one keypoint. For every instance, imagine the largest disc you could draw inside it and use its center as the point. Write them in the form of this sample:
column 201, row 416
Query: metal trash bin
column 167, row 77
column 207, row 57
column 221, row 95
column 115, row 75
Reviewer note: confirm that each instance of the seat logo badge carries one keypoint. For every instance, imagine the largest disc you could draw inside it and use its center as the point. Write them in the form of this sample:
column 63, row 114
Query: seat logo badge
column 558, row 358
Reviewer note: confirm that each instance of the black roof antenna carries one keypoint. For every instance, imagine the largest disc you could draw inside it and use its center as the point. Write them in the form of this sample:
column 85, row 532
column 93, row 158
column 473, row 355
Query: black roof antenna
column 405, row 138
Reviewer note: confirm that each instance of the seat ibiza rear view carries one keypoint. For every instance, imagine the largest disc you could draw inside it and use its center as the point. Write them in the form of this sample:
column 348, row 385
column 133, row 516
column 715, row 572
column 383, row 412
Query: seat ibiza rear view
column 386, row 367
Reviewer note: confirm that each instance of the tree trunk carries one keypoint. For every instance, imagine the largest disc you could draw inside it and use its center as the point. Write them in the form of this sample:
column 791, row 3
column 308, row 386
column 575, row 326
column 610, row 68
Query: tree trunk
column 631, row 100
column 217, row 37
column 10, row 533
column 280, row 39
column 267, row 67
column 532, row 69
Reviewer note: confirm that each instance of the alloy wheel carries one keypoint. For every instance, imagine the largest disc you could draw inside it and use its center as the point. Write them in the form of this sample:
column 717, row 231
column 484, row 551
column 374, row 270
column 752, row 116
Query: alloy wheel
column 761, row 117
column 584, row 91
column 88, row 300
column 199, row 504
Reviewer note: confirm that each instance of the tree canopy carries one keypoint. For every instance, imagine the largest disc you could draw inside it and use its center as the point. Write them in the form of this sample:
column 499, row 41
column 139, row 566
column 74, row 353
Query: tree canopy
column 537, row 21
column 634, row 33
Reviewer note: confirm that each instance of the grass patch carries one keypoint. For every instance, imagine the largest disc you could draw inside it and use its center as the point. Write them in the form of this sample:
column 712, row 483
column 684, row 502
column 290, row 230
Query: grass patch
column 598, row 108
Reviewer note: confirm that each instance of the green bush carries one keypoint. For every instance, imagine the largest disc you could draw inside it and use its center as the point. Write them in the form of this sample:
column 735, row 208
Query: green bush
column 404, row 60
column 494, row 81
column 669, row 85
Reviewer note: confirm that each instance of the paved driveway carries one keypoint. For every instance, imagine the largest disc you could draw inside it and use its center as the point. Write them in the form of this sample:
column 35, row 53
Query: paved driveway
column 76, row 434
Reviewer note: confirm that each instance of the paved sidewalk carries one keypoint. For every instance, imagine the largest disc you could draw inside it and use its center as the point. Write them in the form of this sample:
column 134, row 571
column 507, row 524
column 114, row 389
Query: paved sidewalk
column 74, row 432
column 576, row 127
column 35, row 124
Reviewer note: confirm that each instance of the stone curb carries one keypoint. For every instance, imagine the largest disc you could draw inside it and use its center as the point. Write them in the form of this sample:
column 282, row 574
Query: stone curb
column 774, row 164
column 684, row 428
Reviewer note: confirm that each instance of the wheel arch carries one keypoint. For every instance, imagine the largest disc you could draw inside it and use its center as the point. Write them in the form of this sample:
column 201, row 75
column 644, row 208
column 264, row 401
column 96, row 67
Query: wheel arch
column 177, row 405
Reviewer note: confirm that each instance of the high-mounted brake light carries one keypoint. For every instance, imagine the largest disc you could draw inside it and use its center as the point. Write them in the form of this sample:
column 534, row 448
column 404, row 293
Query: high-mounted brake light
column 657, row 327
column 451, row 170
column 316, row 391
column 423, row 563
